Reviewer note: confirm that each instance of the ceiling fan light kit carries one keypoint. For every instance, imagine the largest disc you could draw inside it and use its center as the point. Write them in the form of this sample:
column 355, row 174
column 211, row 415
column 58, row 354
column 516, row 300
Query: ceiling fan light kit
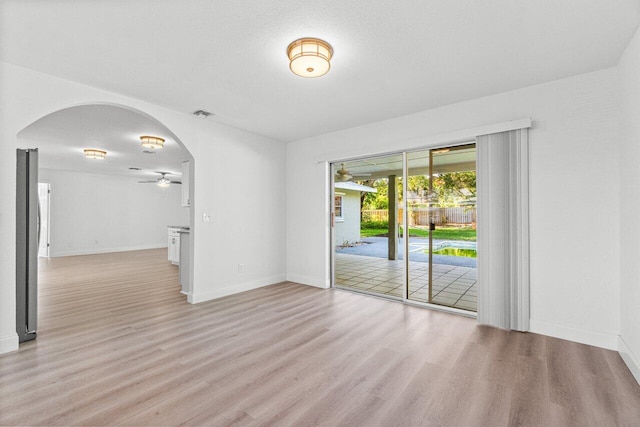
column 162, row 182
column 153, row 142
column 343, row 175
column 309, row 57
column 92, row 153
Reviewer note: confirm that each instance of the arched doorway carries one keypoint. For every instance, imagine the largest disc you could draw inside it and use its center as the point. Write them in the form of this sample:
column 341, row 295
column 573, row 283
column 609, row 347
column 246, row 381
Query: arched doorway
column 111, row 205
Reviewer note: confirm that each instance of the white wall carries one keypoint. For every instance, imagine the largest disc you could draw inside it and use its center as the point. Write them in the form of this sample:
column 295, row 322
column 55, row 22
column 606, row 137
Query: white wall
column 348, row 229
column 228, row 165
column 629, row 151
column 92, row 213
column 573, row 201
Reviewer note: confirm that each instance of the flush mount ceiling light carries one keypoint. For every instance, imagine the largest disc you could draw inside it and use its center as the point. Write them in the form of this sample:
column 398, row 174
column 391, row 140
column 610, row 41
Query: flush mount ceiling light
column 153, row 142
column 441, row 150
column 309, row 57
column 92, row 153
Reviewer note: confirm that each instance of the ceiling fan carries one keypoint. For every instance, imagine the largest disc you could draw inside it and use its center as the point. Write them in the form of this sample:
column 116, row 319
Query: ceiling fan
column 163, row 181
column 343, row 175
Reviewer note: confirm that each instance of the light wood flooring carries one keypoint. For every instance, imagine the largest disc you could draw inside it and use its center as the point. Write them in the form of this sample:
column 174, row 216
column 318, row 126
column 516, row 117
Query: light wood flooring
column 119, row 345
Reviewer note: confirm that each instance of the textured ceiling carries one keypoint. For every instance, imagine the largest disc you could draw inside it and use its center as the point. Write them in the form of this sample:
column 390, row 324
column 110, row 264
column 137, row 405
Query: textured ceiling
column 391, row 57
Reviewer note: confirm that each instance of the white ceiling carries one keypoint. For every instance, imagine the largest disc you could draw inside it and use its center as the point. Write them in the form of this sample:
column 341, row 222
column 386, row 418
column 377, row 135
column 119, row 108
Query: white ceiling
column 62, row 136
column 391, row 57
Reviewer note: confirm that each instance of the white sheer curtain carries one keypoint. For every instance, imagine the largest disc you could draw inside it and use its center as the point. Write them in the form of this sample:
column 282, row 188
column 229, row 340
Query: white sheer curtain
column 503, row 229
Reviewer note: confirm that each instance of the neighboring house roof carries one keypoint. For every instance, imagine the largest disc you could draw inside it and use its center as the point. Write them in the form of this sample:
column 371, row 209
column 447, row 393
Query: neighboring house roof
column 353, row 186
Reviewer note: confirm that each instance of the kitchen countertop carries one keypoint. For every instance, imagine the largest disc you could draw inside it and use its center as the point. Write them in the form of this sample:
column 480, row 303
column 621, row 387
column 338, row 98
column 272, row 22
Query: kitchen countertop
column 182, row 227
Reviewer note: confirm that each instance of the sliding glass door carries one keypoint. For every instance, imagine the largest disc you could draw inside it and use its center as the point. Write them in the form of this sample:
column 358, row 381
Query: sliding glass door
column 370, row 226
column 368, row 247
column 441, row 204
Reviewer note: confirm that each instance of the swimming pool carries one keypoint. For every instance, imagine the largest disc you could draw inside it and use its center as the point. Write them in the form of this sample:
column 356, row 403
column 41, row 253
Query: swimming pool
column 454, row 248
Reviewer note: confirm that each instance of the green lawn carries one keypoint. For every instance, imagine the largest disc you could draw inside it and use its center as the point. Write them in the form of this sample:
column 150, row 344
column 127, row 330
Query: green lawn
column 442, row 233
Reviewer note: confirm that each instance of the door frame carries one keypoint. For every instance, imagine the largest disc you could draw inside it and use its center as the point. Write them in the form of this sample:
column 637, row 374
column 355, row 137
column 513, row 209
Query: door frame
column 405, row 217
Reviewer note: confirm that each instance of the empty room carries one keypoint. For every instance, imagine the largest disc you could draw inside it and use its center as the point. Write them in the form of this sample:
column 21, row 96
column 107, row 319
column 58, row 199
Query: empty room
column 320, row 213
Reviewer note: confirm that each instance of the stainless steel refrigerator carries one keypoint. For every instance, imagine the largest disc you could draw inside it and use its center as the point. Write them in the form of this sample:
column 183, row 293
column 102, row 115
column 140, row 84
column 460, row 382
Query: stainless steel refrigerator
column 27, row 237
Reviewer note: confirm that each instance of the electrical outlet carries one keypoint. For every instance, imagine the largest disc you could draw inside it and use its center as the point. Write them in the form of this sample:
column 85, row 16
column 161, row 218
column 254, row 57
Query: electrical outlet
column 206, row 217
column 240, row 268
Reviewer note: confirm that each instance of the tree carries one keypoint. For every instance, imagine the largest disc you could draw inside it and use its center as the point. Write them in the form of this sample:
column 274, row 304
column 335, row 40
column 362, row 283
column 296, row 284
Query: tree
column 457, row 181
column 379, row 199
column 449, row 188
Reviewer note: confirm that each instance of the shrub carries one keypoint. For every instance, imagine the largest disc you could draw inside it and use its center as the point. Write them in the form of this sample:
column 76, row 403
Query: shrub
column 368, row 225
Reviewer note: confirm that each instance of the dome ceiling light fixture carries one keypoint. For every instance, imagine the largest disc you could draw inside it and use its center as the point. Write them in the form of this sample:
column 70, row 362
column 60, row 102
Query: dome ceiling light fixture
column 309, row 57
column 92, row 153
column 153, row 142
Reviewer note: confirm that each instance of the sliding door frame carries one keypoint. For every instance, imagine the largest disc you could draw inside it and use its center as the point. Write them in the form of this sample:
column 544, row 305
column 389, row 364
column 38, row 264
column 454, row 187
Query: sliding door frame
column 405, row 220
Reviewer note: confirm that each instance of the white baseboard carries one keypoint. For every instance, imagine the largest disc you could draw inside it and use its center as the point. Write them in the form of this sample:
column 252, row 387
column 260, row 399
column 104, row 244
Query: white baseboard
column 308, row 280
column 598, row 339
column 8, row 343
column 196, row 297
column 632, row 360
column 94, row 251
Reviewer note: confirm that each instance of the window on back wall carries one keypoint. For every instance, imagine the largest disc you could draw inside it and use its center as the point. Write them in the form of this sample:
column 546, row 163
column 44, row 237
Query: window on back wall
column 337, row 203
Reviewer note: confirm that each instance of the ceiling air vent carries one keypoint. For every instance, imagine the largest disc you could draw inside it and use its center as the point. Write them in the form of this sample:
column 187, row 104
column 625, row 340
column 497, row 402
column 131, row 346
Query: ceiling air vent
column 202, row 114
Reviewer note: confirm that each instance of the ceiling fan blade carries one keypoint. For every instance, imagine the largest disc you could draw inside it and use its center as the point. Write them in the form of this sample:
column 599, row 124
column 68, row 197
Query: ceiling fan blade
column 148, row 182
column 175, row 182
column 361, row 174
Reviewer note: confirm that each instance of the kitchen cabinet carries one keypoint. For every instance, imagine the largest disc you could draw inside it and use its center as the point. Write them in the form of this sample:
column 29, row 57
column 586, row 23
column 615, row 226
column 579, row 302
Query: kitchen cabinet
column 174, row 245
column 186, row 184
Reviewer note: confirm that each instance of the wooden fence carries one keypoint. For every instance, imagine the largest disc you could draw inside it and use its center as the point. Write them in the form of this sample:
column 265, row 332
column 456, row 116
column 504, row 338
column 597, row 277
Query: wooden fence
column 420, row 216
column 375, row 215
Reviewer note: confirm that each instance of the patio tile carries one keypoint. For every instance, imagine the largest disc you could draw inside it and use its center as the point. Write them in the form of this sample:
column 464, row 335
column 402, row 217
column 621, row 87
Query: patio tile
column 382, row 289
column 456, row 285
column 466, row 305
column 448, row 296
column 442, row 300
column 452, row 285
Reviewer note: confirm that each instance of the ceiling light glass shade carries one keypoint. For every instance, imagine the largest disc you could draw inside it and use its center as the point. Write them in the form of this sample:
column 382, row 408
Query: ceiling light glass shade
column 163, row 182
column 309, row 57
column 91, row 153
column 153, row 142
